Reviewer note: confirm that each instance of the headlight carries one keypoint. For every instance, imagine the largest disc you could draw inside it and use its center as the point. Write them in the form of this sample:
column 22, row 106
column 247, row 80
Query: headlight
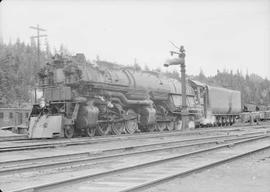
column 42, row 103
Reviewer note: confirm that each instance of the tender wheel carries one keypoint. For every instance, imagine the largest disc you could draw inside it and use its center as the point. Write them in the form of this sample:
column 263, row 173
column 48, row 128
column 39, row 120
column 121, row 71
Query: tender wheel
column 104, row 128
column 118, row 128
column 69, row 131
column 161, row 126
column 131, row 126
column 170, row 126
column 90, row 131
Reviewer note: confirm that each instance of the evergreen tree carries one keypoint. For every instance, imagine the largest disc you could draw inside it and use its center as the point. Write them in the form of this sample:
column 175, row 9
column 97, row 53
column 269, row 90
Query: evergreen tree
column 18, row 68
column 254, row 89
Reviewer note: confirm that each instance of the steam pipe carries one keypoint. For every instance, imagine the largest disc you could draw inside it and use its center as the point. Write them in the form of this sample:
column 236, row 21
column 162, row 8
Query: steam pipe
column 126, row 101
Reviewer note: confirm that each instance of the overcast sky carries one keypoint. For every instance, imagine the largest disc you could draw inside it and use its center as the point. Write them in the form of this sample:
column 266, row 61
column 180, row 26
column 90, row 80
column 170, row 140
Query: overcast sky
column 222, row 34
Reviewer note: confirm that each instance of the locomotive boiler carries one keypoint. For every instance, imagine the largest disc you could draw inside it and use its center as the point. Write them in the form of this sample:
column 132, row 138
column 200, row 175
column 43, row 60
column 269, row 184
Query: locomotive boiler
column 100, row 98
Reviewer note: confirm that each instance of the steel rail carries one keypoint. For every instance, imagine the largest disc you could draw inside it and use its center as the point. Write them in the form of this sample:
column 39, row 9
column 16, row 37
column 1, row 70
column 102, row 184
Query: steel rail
column 85, row 142
column 128, row 136
column 125, row 148
column 18, row 168
column 82, row 140
column 71, row 181
column 195, row 131
column 13, row 138
column 191, row 171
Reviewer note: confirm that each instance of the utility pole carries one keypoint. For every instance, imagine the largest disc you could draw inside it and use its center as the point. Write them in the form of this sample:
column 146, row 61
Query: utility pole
column 181, row 61
column 38, row 36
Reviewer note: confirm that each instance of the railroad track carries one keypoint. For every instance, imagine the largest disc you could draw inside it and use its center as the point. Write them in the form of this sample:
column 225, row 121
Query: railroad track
column 196, row 131
column 123, row 136
column 24, row 137
column 128, row 171
column 65, row 143
column 13, row 138
column 18, row 146
column 7, row 167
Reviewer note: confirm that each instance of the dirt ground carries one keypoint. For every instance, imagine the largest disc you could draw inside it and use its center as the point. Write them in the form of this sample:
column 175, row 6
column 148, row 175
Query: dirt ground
column 248, row 174
column 4, row 133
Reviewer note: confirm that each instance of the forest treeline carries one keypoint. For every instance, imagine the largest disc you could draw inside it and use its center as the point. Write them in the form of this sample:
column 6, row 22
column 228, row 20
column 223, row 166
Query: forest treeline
column 254, row 89
column 19, row 67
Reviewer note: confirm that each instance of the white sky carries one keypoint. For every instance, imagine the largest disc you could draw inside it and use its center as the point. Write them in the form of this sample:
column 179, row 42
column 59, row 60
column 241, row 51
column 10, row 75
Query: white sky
column 216, row 34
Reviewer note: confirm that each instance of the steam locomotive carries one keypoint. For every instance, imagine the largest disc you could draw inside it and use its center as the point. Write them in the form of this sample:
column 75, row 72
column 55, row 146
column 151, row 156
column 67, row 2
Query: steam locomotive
column 101, row 98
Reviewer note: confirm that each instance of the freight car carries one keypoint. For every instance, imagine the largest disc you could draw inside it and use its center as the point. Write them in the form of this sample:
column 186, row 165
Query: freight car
column 252, row 112
column 221, row 106
column 101, row 98
column 14, row 119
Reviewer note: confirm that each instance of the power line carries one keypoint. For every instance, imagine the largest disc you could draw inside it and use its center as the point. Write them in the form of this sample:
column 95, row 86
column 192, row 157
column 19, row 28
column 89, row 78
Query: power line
column 38, row 36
